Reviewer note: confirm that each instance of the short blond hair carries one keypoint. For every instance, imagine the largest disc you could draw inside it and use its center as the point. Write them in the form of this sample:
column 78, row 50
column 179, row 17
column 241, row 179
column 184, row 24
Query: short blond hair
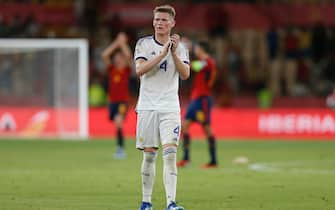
column 167, row 9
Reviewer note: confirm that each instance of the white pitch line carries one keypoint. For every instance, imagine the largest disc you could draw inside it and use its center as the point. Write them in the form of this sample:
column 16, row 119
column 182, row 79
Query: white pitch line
column 312, row 171
column 278, row 167
column 300, row 162
column 262, row 167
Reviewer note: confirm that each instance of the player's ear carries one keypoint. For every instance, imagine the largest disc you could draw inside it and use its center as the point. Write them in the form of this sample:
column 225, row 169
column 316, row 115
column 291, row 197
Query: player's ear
column 173, row 22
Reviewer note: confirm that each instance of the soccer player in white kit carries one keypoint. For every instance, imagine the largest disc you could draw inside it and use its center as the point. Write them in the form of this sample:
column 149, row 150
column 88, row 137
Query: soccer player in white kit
column 160, row 61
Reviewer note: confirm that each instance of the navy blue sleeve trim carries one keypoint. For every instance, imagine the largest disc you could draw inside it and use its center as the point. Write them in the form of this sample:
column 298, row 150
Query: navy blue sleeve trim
column 141, row 57
column 186, row 62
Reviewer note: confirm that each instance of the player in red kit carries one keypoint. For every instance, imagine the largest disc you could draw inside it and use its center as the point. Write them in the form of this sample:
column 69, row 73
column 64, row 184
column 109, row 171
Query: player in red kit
column 199, row 109
column 118, row 57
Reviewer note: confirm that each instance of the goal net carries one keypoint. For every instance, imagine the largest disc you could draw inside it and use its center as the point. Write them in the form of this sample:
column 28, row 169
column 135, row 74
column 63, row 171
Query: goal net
column 43, row 87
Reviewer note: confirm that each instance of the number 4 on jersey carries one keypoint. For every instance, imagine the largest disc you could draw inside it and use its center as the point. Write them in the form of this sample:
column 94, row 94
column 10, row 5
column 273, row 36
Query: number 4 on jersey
column 176, row 130
column 163, row 65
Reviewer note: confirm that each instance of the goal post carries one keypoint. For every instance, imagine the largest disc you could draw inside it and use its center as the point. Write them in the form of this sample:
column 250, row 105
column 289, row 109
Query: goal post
column 44, row 87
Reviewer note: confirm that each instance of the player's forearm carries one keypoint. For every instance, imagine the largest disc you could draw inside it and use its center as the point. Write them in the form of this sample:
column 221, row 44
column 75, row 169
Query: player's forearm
column 146, row 66
column 108, row 51
column 182, row 68
column 212, row 78
column 126, row 51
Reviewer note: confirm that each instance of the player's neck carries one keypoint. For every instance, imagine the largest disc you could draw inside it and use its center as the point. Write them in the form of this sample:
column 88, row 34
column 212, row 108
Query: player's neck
column 204, row 56
column 162, row 38
column 120, row 67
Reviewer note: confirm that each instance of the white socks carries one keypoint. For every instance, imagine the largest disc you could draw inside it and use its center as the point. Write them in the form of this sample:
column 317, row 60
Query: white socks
column 148, row 174
column 170, row 173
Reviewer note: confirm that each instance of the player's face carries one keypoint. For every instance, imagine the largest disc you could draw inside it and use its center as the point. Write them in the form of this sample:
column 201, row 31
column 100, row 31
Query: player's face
column 188, row 43
column 163, row 23
column 197, row 51
column 119, row 60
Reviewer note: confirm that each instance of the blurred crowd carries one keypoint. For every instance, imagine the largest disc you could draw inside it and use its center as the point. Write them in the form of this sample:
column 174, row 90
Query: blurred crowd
column 19, row 28
column 289, row 60
column 284, row 60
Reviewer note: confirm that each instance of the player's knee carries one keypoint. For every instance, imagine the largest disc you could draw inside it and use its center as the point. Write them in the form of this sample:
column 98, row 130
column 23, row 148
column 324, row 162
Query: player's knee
column 185, row 126
column 207, row 129
column 170, row 153
column 149, row 156
column 170, row 157
column 118, row 120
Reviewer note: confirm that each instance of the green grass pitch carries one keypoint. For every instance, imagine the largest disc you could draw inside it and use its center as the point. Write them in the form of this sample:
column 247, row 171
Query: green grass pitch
column 71, row 175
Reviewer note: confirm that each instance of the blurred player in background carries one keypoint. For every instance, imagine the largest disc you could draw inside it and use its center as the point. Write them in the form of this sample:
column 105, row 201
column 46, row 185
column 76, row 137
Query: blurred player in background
column 160, row 62
column 330, row 101
column 199, row 110
column 118, row 58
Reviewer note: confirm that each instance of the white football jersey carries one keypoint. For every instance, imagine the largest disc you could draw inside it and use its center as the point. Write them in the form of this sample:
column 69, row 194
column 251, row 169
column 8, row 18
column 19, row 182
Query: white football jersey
column 159, row 87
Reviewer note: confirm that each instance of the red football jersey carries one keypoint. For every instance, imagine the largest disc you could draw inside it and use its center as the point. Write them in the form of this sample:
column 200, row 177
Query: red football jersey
column 203, row 80
column 118, row 84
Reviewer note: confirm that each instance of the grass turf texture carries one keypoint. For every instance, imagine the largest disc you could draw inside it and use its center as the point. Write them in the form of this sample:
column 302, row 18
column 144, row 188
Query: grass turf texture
column 83, row 175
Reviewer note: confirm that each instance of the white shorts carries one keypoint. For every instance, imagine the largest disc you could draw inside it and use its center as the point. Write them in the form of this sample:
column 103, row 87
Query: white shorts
column 155, row 127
